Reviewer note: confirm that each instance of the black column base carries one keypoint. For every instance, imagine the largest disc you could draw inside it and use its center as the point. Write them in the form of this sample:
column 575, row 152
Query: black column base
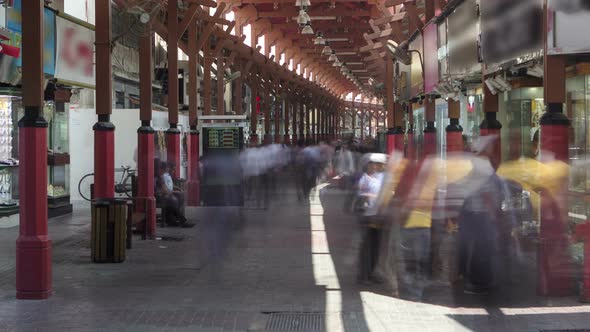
column 430, row 128
column 454, row 126
column 490, row 122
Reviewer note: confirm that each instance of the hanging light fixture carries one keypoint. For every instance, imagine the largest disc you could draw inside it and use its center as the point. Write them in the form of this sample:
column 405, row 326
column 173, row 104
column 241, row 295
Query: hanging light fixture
column 302, row 3
column 327, row 50
column 303, row 17
column 307, row 30
column 319, row 40
column 333, row 56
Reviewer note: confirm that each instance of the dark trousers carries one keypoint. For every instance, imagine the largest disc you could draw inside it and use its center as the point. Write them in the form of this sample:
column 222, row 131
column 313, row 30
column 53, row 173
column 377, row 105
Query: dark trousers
column 369, row 254
column 174, row 207
column 477, row 249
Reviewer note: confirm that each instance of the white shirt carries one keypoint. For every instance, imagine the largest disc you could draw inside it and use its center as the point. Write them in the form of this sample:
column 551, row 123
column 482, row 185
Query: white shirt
column 168, row 181
column 371, row 185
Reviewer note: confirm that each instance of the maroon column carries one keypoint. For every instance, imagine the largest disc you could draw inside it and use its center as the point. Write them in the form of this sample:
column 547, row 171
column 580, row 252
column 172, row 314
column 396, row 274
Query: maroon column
column 490, row 125
column 254, row 141
column 308, row 128
column 287, row 138
column 173, row 134
column 301, row 123
column 104, row 130
column 279, row 108
column 429, row 147
column 193, row 197
column 267, row 133
column 294, row 126
column 145, row 136
column 454, row 129
column 33, row 247
column 554, row 266
column 362, row 118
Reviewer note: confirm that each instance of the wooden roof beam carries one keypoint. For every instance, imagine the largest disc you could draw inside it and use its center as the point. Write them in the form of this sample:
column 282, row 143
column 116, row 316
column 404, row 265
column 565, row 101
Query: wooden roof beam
column 293, row 11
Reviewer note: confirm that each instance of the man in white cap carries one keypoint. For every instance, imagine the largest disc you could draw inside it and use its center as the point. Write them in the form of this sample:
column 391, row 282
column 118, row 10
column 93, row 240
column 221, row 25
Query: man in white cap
column 369, row 187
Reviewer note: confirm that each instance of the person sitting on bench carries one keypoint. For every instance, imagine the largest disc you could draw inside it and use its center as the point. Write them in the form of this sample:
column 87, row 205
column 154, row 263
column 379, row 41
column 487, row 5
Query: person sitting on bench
column 172, row 198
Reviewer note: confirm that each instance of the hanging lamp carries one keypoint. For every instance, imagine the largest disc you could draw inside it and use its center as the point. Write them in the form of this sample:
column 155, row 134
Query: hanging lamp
column 327, row 50
column 307, row 30
column 332, row 56
column 302, row 3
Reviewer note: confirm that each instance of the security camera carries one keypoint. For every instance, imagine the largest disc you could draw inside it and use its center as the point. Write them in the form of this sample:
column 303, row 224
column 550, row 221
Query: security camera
column 399, row 52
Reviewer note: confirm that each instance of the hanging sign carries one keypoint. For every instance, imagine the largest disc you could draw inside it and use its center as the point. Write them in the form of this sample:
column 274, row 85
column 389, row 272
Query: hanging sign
column 74, row 53
column 566, row 19
column 14, row 24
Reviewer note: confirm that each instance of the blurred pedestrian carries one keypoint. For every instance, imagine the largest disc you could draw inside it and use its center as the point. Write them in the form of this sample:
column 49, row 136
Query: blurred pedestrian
column 369, row 188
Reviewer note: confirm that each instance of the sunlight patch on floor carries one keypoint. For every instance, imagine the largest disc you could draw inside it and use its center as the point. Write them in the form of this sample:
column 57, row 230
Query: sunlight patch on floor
column 324, row 270
column 546, row 310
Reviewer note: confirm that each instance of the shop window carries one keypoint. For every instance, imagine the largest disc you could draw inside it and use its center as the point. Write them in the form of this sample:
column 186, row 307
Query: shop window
column 119, row 99
column 578, row 105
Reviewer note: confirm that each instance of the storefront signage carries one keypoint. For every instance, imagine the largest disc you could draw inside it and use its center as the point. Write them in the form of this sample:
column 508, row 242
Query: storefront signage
column 74, row 53
column 462, row 35
column 510, row 29
column 223, row 138
column 14, row 23
column 430, row 62
column 567, row 20
column 416, row 77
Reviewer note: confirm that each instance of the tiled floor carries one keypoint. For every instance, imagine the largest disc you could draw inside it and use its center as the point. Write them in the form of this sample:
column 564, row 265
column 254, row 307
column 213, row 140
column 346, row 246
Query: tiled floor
column 237, row 270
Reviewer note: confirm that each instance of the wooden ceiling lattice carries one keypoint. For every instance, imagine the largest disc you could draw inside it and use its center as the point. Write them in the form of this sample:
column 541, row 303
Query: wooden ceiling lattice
column 356, row 30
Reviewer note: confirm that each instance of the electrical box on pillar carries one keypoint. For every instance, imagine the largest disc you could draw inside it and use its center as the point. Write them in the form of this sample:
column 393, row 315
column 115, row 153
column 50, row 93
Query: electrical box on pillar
column 221, row 184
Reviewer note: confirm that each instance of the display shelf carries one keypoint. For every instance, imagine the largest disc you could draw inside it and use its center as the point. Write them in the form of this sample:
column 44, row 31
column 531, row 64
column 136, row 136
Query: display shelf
column 58, row 159
column 9, row 210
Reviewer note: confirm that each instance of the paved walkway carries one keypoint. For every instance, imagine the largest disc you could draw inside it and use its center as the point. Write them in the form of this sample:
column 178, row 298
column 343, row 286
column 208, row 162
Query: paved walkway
column 289, row 268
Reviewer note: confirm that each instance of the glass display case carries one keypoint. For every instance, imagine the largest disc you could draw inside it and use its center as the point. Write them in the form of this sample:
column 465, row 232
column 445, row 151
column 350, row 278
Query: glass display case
column 58, row 158
column 58, row 142
column 59, row 181
column 578, row 105
column 9, row 112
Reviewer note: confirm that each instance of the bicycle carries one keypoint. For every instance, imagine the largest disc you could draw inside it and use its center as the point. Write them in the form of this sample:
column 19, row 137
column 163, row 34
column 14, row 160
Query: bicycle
column 123, row 187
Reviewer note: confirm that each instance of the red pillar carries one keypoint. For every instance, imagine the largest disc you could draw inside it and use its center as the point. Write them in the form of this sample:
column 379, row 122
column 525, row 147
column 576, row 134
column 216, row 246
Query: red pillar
column 254, row 141
column 554, row 266
column 145, row 137
column 454, row 129
column 145, row 173
column 411, row 152
column 173, row 147
column 287, row 137
column 267, row 133
column 173, row 134
column 429, row 147
column 294, row 126
column 301, row 121
column 193, row 186
column 582, row 234
column 33, row 247
column 490, row 125
column 278, row 110
column 193, row 197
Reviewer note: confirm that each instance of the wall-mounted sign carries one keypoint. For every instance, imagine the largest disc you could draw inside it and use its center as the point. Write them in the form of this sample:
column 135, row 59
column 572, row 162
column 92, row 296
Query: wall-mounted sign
column 14, row 23
column 223, row 138
column 462, row 35
column 430, row 62
column 416, row 77
column 567, row 19
column 74, row 53
column 510, row 29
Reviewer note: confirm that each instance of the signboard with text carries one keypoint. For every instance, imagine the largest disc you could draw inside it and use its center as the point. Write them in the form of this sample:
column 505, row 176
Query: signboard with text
column 567, row 20
column 74, row 53
column 14, row 24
